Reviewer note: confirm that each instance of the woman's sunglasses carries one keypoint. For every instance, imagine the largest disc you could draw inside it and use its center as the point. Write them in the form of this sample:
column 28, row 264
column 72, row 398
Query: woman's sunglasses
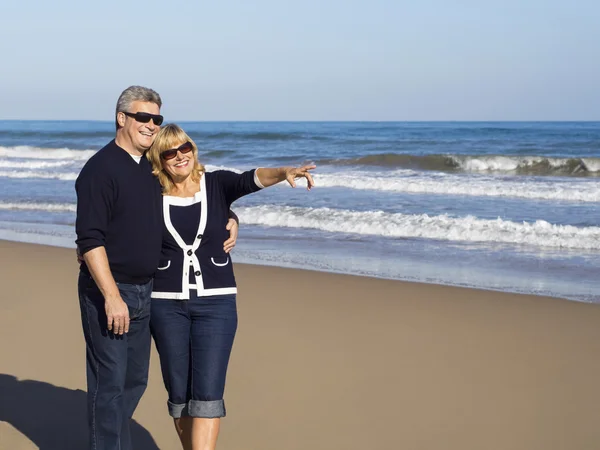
column 143, row 117
column 183, row 148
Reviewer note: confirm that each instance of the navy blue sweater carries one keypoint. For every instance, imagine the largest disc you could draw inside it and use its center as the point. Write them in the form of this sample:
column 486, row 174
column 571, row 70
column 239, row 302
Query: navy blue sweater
column 119, row 207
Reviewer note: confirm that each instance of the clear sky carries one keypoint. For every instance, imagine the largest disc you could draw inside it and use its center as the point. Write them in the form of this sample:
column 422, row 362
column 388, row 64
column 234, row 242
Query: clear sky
column 304, row 60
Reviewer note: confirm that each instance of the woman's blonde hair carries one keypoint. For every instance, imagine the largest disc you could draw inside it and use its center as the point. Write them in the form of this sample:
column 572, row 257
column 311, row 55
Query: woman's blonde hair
column 171, row 136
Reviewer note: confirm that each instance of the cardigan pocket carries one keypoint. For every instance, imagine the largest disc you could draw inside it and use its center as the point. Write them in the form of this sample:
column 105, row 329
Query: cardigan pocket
column 169, row 275
column 217, row 271
column 164, row 265
column 220, row 261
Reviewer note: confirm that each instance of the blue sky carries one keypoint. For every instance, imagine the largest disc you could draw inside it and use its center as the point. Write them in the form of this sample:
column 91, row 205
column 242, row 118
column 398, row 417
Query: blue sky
column 309, row 60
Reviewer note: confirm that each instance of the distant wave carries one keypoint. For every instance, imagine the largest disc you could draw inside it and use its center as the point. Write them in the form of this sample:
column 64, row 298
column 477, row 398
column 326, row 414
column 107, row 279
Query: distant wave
column 525, row 165
column 261, row 136
column 33, row 206
column 408, row 181
column 447, row 184
column 442, row 227
column 54, row 134
column 214, row 153
column 69, row 176
column 520, row 165
column 32, row 174
column 211, row 168
column 27, row 152
column 32, row 164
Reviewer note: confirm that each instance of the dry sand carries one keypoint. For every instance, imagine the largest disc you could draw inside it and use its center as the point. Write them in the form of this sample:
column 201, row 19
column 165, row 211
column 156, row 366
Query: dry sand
column 324, row 361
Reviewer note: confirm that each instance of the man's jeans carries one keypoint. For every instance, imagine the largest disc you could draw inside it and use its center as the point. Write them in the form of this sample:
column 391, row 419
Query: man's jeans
column 117, row 366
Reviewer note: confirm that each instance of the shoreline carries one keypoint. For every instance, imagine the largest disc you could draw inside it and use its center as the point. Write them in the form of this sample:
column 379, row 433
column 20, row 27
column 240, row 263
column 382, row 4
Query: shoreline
column 291, row 266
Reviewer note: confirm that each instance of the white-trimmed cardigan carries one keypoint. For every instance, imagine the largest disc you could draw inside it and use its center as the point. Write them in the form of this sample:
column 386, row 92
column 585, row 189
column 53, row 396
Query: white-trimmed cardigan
column 204, row 261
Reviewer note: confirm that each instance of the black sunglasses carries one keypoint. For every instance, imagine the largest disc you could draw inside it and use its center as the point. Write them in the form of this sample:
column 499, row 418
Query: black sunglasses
column 143, row 117
column 183, row 148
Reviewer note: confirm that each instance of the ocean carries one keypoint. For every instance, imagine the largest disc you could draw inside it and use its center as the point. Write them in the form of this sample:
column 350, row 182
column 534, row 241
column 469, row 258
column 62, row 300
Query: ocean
column 494, row 205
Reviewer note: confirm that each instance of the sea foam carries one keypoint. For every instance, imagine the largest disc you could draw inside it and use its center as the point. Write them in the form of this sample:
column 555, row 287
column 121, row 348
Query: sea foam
column 407, row 181
column 27, row 152
column 440, row 227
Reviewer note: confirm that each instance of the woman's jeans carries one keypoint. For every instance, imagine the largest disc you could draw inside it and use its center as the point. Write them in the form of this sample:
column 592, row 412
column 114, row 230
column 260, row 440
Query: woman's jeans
column 194, row 340
column 117, row 366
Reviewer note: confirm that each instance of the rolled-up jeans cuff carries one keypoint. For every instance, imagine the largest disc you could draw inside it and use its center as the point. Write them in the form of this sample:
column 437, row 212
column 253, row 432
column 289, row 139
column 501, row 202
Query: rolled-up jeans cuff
column 177, row 410
column 206, row 409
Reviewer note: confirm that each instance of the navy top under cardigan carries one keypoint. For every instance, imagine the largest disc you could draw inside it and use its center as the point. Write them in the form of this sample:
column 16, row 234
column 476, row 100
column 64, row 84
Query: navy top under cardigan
column 119, row 208
column 202, row 264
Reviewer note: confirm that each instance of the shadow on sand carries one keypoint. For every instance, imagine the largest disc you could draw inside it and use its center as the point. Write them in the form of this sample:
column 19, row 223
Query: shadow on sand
column 54, row 418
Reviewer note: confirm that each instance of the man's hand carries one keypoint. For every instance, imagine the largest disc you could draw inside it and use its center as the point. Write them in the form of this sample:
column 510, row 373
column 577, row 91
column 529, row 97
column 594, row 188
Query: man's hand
column 233, row 228
column 80, row 259
column 117, row 315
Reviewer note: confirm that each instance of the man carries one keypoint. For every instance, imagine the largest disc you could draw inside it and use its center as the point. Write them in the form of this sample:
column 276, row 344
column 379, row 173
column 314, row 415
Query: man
column 119, row 234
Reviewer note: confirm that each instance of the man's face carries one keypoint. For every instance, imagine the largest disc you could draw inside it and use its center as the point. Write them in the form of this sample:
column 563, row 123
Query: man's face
column 139, row 135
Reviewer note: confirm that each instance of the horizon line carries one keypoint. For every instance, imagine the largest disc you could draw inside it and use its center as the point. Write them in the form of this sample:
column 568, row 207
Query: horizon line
column 327, row 121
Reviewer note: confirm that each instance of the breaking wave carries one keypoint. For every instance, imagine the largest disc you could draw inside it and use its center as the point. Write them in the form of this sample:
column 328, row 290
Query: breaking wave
column 525, row 165
column 442, row 227
column 27, row 152
column 447, row 184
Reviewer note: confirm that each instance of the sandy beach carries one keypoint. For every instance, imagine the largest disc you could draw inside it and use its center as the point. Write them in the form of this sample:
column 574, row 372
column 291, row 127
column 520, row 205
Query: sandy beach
column 324, row 361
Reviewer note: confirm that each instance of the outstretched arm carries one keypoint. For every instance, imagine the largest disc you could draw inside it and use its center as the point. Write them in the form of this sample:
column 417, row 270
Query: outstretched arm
column 269, row 177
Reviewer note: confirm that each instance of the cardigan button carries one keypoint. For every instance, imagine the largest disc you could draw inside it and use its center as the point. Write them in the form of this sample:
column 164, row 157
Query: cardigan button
column 190, row 253
column 199, row 236
column 197, row 273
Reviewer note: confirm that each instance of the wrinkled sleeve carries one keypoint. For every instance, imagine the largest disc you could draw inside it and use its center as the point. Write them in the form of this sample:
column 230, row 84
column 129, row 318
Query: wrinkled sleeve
column 236, row 185
column 95, row 200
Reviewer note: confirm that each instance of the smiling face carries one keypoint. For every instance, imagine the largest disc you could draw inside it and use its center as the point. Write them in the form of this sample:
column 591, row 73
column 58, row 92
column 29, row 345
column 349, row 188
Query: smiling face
column 174, row 158
column 180, row 167
column 134, row 136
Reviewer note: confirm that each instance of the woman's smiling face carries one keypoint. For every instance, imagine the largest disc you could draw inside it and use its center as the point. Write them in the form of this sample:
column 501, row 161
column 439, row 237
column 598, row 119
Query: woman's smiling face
column 181, row 165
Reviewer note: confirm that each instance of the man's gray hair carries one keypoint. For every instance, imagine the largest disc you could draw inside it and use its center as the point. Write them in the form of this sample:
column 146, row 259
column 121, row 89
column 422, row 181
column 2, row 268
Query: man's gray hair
column 135, row 94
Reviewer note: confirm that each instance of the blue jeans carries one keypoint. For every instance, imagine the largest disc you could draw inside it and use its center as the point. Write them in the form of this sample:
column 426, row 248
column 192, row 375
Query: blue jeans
column 194, row 340
column 117, row 366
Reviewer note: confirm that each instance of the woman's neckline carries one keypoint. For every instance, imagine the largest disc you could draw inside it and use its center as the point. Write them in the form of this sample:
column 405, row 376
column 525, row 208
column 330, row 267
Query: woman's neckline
column 196, row 195
column 188, row 196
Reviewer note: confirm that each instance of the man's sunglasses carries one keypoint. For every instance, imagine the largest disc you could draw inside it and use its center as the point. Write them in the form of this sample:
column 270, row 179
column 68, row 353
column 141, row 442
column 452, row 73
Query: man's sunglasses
column 146, row 117
column 183, row 148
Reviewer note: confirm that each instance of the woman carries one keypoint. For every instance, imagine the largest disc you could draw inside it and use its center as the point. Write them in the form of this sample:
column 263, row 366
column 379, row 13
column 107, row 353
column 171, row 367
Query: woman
column 194, row 316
